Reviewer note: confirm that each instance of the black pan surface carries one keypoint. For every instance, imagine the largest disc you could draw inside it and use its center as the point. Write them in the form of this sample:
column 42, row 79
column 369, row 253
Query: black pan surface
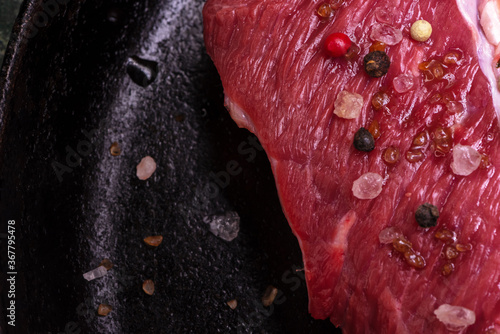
column 68, row 89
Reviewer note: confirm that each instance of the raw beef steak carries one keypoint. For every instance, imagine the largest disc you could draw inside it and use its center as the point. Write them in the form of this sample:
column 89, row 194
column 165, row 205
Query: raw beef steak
column 369, row 266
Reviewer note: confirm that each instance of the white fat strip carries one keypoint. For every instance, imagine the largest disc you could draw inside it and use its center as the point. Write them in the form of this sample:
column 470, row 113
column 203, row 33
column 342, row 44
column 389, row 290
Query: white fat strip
column 342, row 230
column 485, row 51
column 238, row 114
column 490, row 22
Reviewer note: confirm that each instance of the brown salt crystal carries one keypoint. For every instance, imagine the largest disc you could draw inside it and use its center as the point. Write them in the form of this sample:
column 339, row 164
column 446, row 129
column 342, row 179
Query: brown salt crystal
column 154, row 240
column 485, row 161
column 374, row 129
column 451, row 58
column 420, row 140
column 463, row 247
column 148, row 286
column 104, row 309
column 451, row 253
column 377, row 46
column 391, row 155
column 414, row 260
column 415, row 155
column 106, row 263
column 447, row 269
column 115, row 149
column 401, row 245
column 379, row 100
column 325, row 11
column 446, row 236
column 233, row 303
column 269, row 295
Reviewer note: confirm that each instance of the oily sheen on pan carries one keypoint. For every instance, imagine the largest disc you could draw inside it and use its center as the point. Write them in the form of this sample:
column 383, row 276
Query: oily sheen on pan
column 385, row 149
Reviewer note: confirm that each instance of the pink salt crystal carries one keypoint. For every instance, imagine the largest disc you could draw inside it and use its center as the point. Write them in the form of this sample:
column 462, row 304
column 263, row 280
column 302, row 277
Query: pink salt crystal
column 348, row 105
column 388, row 235
column 385, row 33
column 368, row 186
column 455, row 318
column 146, row 168
column 454, row 107
column 403, row 83
column 384, row 14
column 465, row 159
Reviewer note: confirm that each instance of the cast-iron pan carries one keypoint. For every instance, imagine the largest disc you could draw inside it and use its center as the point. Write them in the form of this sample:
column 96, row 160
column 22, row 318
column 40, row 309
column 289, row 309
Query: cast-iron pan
column 68, row 90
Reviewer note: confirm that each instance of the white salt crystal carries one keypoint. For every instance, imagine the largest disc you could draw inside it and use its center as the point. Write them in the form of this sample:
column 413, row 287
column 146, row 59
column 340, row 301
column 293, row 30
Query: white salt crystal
column 388, row 235
column 225, row 226
column 454, row 107
column 465, row 160
column 368, row 186
column 386, row 34
column 146, row 168
column 348, row 105
column 450, row 77
column 385, row 14
column 403, row 83
column 455, row 318
column 95, row 273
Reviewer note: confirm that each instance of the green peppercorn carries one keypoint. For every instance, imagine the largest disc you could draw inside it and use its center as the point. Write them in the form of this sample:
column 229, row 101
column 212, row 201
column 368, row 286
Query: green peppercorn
column 363, row 140
column 376, row 63
column 427, row 215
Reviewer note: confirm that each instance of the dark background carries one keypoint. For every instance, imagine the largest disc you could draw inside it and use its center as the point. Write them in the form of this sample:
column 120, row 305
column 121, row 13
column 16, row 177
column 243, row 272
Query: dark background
column 65, row 97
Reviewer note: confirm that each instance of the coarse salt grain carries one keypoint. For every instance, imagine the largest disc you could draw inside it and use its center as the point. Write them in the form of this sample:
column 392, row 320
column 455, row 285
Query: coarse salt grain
column 385, row 14
column 455, row 318
column 385, row 33
column 146, row 168
column 387, row 235
column 403, row 83
column 225, row 226
column 368, row 186
column 465, row 160
column 95, row 273
column 348, row 105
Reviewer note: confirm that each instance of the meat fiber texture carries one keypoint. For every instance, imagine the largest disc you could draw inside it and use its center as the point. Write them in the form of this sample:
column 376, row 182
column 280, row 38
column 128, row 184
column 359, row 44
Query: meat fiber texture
column 280, row 84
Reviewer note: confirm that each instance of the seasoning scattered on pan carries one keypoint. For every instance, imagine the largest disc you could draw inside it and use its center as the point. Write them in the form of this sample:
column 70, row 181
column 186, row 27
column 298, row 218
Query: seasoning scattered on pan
column 225, row 226
column 148, row 286
column 95, row 273
column 154, row 240
column 146, row 168
column 106, row 263
column 115, row 149
column 104, row 309
column 269, row 295
column 233, row 303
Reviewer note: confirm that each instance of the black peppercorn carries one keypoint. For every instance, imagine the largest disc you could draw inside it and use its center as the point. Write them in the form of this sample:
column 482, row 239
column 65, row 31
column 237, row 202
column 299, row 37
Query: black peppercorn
column 376, row 63
column 363, row 140
column 427, row 215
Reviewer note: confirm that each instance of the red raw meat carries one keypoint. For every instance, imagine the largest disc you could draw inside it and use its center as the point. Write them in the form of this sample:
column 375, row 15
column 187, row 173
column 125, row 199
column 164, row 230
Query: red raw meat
column 280, row 84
